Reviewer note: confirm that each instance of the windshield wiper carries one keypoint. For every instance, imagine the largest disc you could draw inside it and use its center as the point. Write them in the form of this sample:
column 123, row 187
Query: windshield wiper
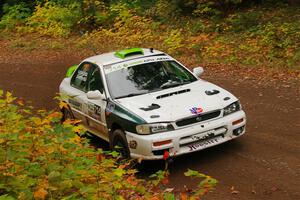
column 130, row 95
column 173, row 84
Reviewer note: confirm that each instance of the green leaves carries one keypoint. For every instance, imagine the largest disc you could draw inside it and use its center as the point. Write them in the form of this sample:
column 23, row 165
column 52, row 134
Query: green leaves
column 119, row 172
column 41, row 158
column 6, row 197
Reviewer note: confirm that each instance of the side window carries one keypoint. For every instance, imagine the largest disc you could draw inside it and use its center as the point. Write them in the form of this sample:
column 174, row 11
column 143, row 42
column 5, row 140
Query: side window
column 95, row 81
column 79, row 79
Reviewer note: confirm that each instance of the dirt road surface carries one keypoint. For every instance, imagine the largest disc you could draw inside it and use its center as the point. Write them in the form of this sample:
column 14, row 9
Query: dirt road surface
column 263, row 164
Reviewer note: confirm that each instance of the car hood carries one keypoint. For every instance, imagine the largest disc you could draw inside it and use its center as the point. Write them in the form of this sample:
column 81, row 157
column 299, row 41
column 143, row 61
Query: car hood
column 176, row 103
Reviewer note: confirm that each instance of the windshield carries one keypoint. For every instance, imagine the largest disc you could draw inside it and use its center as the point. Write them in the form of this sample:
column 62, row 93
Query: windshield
column 148, row 77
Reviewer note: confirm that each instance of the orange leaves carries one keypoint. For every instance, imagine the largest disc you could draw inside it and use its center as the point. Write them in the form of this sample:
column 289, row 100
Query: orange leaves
column 183, row 196
column 40, row 193
column 20, row 102
column 132, row 180
column 71, row 122
column 54, row 116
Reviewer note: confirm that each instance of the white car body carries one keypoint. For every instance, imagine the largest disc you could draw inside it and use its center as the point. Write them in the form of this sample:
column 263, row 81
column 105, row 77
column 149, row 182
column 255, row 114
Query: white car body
column 194, row 111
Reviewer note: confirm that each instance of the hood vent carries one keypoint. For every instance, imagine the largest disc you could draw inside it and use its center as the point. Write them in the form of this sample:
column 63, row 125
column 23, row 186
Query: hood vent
column 213, row 92
column 151, row 107
column 173, row 93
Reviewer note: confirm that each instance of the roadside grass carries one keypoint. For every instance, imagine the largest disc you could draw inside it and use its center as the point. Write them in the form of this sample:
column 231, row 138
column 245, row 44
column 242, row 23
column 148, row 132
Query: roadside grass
column 55, row 45
column 23, row 44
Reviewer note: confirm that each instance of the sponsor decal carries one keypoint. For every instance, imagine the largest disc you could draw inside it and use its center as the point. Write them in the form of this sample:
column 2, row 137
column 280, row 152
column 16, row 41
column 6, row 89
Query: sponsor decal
column 203, row 136
column 116, row 67
column 75, row 104
column 203, row 144
column 109, row 108
column 196, row 111
column 94, row 111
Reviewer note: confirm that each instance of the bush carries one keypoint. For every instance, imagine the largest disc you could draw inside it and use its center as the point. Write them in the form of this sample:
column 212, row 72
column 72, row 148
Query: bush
column 174, row 41
column 245, row 21
column 14, row 16
column 40, row 158
column 54, row 20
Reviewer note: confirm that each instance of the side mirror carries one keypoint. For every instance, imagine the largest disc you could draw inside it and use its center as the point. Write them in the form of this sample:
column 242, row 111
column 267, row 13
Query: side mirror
column 95, row 95
column 197, row 71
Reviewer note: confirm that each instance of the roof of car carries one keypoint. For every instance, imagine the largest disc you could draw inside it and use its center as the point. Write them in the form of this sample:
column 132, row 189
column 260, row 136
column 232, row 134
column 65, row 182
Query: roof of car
column 123, row 55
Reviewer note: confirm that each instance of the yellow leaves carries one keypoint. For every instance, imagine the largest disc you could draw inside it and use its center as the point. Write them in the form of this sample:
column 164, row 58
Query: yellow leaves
column 40, row 193
column 9, row 97
column 76, row 139
column 119, row 172
column 37, row 121
column 63, row 105
column 78, row 129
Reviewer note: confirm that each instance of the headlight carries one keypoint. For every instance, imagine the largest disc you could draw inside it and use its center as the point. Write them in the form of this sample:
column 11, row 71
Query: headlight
column 236, row 106
column 146, row 129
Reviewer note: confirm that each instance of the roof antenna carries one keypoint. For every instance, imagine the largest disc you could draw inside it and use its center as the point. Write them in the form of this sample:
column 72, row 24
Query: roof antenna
column 151, row 50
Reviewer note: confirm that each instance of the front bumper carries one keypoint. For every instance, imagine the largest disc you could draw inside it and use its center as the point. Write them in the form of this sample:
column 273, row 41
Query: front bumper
column 187, row 139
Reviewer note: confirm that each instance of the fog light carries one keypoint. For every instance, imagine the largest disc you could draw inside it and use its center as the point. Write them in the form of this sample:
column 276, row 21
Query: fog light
column 238, row 121
column 133, row 144
column 238, row 131
column 160, row 143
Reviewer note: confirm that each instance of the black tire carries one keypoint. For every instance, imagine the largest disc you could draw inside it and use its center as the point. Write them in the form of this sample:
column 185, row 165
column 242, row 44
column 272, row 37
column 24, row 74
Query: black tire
column 119, row 143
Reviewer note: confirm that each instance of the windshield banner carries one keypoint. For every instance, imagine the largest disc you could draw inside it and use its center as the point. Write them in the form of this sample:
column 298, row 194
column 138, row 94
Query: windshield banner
column 115, row 67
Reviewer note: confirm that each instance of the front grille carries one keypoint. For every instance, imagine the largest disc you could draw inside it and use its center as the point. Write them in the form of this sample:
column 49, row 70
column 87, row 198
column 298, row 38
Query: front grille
column 198, row 118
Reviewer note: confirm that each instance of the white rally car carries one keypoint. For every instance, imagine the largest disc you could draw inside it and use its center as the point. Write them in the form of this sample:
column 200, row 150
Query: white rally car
column 148, row 104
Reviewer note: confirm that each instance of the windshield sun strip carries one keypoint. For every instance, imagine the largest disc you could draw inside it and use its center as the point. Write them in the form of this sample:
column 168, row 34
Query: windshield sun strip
column 126, row 64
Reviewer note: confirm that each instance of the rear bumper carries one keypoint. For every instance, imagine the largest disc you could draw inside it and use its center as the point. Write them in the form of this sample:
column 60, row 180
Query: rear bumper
column 189, row 139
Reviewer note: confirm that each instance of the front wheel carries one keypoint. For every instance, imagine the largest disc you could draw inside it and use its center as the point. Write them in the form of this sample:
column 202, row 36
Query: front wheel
column 119, row 143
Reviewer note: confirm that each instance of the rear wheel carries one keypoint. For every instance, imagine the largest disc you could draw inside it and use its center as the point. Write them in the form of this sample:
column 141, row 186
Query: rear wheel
column 119, row 143
column 67, row 114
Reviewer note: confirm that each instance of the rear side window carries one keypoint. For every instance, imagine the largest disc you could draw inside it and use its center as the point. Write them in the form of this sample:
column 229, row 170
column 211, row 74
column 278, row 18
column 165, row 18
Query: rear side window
column 79, row 79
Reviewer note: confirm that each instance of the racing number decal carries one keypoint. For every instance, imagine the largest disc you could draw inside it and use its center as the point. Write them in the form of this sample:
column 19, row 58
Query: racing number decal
column 94, row 111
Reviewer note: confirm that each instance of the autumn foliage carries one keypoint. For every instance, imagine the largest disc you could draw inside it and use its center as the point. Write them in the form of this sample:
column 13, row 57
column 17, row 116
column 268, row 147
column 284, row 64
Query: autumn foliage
column 233, row 32
column 40, row 158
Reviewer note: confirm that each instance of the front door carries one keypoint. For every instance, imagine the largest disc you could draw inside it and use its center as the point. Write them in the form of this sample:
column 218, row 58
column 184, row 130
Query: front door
column 77, row 92
column 95, row 109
